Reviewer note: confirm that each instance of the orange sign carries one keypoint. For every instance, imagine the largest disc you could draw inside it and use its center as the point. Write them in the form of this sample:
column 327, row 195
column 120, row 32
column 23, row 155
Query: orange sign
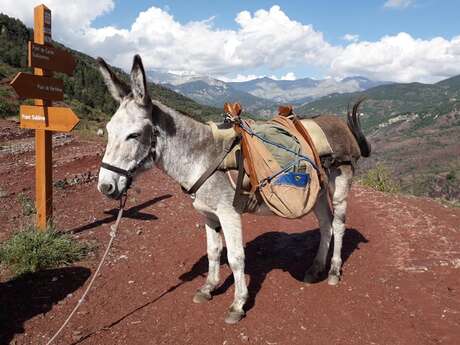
column 59, row 119
column 35, row 86
column 48, row 57
column 43, row 117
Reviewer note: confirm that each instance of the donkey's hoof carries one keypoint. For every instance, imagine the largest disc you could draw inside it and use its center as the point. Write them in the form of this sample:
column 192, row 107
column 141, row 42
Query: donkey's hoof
column 333, row 279
column 310, row 278
column 313, row 274
column 201, row 297
column 233, row 317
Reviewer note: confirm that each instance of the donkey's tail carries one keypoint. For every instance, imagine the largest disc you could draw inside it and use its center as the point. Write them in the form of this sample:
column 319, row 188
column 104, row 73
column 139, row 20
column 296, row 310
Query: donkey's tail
column 354, row 124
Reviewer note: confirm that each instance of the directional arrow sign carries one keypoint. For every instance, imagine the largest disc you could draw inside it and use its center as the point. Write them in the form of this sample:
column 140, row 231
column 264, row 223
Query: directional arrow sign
column 51, row 58
column 35, row 86
column 59, row 119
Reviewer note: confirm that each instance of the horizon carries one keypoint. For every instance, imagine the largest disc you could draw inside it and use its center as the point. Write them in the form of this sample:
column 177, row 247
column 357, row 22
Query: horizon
column 388, row 40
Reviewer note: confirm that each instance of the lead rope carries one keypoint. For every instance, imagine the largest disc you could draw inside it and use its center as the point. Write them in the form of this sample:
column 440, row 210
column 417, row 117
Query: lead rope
column 113, row 233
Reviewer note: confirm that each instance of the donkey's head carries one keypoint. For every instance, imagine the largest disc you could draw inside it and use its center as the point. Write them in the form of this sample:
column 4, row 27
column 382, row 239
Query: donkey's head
column 130, row 131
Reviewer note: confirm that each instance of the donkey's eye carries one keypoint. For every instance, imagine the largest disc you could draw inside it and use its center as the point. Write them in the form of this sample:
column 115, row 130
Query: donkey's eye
column 133, row 136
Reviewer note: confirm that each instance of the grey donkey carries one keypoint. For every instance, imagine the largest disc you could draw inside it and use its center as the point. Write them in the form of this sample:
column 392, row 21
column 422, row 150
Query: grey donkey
column 143, row 132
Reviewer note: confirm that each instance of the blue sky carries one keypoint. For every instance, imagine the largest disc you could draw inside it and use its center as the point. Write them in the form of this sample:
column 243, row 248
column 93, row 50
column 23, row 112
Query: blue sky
column 335, row 18
column 397, row 40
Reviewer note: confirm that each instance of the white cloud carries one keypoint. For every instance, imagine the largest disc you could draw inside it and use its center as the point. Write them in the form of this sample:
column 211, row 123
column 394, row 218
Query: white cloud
column 247, row 77
column 287, row 76
column 264, row 40
column 398, row 3
column 69, row 18
column 350, row 37
column 239, row 77
column 266, row 37
column 400, row 58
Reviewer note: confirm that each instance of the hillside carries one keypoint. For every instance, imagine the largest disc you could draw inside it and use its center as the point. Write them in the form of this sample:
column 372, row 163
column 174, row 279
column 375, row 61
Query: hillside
column 302, row 90
column 414, row 129
column 85, row 91
column 385, row 101
column 215, row 93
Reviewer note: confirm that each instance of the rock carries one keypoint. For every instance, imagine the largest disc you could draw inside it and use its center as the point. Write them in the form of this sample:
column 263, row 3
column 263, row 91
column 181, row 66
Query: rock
column 100, row 132
column 77, row 335
column 244, row 338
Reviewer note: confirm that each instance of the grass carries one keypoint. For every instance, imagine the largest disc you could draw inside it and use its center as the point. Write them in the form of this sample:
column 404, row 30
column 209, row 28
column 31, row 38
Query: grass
column 379, row 178
column 31, row 250
column 27, row 205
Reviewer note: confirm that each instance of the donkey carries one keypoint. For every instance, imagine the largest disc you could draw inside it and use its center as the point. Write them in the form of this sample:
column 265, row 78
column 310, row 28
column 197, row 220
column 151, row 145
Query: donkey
column 143, row 132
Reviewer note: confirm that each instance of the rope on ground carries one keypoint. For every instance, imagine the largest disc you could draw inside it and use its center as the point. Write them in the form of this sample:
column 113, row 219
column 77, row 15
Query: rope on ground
column 113, row 233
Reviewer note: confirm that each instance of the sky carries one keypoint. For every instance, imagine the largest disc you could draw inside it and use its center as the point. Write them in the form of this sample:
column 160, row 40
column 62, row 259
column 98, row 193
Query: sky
column 390, row 40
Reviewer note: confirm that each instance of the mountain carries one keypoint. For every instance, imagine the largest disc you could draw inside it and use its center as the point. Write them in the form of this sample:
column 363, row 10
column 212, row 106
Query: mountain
column 302, row 90
column 85, row 91
column 212, row 92
column 414, row 129
column 216, row 93
column 386, row 101
column 260, row 96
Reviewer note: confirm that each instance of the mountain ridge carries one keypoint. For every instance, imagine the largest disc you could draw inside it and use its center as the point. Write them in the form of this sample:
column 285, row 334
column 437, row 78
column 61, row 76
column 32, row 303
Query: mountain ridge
column 260, row 95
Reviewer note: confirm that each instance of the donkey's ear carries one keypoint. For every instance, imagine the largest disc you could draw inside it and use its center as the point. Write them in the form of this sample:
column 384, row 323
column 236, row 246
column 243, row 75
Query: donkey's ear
column 117, row 88
column 139, row 82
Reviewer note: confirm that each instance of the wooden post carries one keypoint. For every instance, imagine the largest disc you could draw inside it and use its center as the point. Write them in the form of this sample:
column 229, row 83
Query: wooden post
column 43, row 138
column 43, row 117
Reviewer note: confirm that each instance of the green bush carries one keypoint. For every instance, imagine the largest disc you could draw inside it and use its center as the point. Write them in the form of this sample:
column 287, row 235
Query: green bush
column 8, row 109
column 31, row 250
column 379, row 178
column 27, row 204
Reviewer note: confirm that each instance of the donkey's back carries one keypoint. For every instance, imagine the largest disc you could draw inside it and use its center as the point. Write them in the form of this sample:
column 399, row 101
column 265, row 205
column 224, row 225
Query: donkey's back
column 339, row 141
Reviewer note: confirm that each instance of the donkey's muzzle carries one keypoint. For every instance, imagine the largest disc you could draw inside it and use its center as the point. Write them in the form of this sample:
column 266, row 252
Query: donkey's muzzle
column 108, row 189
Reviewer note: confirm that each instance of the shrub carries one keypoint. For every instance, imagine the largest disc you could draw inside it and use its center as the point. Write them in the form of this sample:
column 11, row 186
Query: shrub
column 379, row 178
column 27, row 204
column 31, row 250
column 7, row 109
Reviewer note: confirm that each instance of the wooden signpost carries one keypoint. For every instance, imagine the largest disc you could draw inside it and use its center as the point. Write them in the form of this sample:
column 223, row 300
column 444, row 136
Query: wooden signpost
column 36, row 86
column 43, row 117
column 58, row 119
column 44, row 56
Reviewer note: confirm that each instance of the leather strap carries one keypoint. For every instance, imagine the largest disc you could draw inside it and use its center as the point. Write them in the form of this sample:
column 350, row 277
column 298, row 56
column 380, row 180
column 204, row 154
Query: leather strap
column 126, row 173
column 129, row 174
column 240, row 200
column 248, row 159
column 303, row 131
column 212, row 168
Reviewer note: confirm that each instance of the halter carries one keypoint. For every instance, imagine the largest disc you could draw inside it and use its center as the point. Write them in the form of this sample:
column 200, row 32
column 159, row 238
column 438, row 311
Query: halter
column 129, row 174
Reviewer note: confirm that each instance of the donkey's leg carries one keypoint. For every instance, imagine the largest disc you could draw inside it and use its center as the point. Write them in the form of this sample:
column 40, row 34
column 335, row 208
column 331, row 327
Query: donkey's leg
column 214, row 248
column 324, row 215
column 339, row 203
column 231, row 226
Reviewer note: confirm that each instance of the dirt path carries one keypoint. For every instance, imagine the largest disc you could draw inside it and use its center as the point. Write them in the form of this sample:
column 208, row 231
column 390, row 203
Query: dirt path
column 401, row 272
